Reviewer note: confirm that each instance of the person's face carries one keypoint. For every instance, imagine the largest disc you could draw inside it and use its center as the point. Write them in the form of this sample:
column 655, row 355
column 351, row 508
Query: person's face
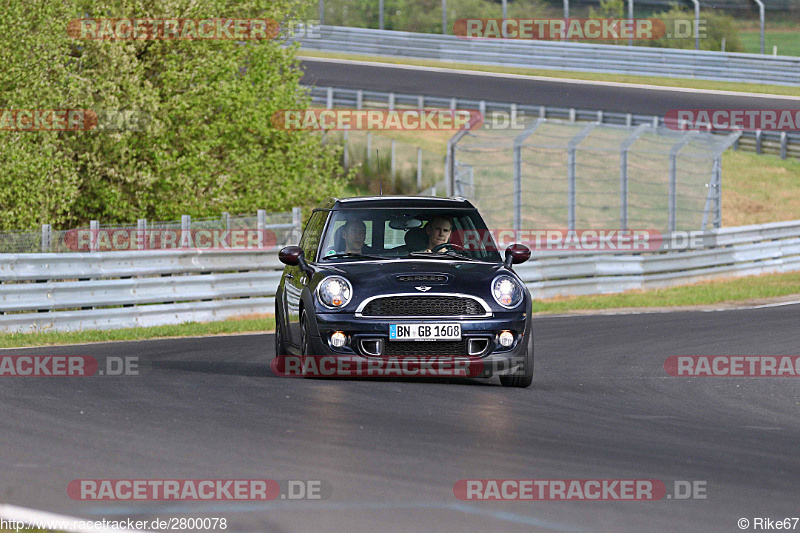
column 354, row 236
column 438, row 232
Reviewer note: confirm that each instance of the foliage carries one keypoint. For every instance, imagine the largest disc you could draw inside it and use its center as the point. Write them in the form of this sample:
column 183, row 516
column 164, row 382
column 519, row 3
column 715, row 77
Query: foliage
column 209, row 145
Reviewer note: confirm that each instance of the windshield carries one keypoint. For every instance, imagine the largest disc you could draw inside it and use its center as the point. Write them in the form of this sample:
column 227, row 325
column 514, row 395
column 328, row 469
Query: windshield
column 401, row 233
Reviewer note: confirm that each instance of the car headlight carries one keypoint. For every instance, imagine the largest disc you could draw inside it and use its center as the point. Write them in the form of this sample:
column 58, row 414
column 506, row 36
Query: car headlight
column 335, row 292
column 506, row 291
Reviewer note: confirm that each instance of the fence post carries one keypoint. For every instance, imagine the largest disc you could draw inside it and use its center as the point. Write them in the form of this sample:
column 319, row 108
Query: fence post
column 784, row 138
column 420, row 102
column 673, row 179
column 346, row 154
column 444, row 17
column 393, row 167
column 571, row 172
column 380, row 15
column 360, row 99
column 517, row 194
column 419, row 169
column 94, row 232
column 46, row 238
column 759, row 137
column 186, row 231
column 391, row 101
column 369, row 149
column 329, row 98
column 297, row 222
column 261, row 219
column 261, row 223
column 623, row 173
column 141, row 234
column 572, row 114
column 321, row 12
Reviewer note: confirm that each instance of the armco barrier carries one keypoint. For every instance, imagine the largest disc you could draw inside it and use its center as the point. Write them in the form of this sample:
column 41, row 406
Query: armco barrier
column 61, row 292
column 582, row 57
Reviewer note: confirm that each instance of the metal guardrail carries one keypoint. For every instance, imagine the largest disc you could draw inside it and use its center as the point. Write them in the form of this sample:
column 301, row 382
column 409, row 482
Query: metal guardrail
column 109, row 290
column 59, row 292
column 783, row 144
column 581, row 57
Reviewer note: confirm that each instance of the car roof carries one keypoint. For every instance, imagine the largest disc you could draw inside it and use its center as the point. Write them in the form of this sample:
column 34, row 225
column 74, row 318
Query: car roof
column 360, row 202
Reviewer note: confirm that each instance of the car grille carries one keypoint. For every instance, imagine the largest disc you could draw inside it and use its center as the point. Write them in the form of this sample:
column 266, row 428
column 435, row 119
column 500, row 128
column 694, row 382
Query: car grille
column 417, row 278
column 440, row 348
column 424, row 306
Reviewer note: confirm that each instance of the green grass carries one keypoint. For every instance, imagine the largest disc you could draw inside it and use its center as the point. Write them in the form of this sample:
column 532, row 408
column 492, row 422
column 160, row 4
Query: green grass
column 592, row 76
column 742, row 290
column 745, row 289
column 788, row 42
column 190, row 329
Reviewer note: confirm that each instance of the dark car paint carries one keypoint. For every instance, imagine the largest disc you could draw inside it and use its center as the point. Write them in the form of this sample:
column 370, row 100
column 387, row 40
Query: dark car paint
column 374, row 277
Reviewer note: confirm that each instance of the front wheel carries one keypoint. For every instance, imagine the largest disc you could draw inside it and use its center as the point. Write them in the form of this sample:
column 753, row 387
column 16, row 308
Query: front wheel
column 523, row 377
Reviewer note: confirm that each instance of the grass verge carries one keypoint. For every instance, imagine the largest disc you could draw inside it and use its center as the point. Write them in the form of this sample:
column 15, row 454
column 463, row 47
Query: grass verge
column 786, row 40
column 683, row 83
column 744, row 290
column 190, row 329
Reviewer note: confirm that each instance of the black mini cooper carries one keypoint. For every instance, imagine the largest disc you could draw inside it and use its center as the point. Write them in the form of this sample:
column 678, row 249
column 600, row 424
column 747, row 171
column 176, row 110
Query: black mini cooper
column 389, row 276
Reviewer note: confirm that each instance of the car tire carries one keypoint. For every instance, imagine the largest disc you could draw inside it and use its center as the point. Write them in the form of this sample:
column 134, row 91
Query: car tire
column 524, row 376
column 280, row 345
column 304, row 346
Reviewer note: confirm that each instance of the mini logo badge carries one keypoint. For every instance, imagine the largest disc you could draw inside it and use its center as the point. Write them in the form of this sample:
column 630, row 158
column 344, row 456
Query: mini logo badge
column 423, row 288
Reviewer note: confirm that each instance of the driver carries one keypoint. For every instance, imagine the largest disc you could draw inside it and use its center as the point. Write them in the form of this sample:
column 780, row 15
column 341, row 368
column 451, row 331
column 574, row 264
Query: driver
column 354, row 235
column 438, row 231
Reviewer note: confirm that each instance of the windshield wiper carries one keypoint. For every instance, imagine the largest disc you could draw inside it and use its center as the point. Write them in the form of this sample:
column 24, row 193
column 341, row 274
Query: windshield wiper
column 449, row 253
column 352, row 255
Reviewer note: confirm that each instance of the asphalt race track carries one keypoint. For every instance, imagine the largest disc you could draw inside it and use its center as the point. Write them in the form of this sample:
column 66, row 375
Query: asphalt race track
column 601, row 407
column 585, row 95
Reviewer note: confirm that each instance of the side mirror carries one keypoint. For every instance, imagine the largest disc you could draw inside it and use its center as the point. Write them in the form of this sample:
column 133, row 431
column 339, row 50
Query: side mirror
column 516, row 254
column 293, row 256
column 290, row 255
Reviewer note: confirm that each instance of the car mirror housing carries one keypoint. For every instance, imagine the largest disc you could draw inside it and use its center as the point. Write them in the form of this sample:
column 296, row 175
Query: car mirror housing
column 290, row 255
column 516, row 254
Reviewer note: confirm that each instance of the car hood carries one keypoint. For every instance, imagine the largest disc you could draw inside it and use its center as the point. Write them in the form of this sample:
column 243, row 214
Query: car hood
column 404, row 276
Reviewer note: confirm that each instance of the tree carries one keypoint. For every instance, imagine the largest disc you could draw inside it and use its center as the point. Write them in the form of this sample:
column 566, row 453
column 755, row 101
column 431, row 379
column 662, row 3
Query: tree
column 209, row 144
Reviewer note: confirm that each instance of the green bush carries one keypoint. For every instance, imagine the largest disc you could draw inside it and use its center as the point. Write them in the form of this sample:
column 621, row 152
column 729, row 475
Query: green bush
column 209, row 147
column 716, row 27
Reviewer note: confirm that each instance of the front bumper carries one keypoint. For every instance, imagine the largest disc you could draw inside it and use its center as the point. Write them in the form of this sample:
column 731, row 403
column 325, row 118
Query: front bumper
column 479, row 352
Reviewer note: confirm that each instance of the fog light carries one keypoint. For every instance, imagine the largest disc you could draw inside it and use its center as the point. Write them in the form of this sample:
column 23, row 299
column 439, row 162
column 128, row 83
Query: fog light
column 338, row 339
column 506, row 338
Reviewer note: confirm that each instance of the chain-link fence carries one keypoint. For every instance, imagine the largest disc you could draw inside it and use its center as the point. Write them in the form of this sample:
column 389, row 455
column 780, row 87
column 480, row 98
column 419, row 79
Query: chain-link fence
column 558, row 174
column 262, row 229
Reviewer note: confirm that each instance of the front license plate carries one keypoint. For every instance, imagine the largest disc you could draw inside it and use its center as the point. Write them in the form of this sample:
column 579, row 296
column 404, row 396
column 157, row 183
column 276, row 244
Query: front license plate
column 424, row 332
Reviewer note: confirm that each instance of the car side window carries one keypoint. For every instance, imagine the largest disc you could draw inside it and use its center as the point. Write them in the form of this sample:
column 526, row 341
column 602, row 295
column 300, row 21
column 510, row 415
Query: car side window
column 312, row 234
